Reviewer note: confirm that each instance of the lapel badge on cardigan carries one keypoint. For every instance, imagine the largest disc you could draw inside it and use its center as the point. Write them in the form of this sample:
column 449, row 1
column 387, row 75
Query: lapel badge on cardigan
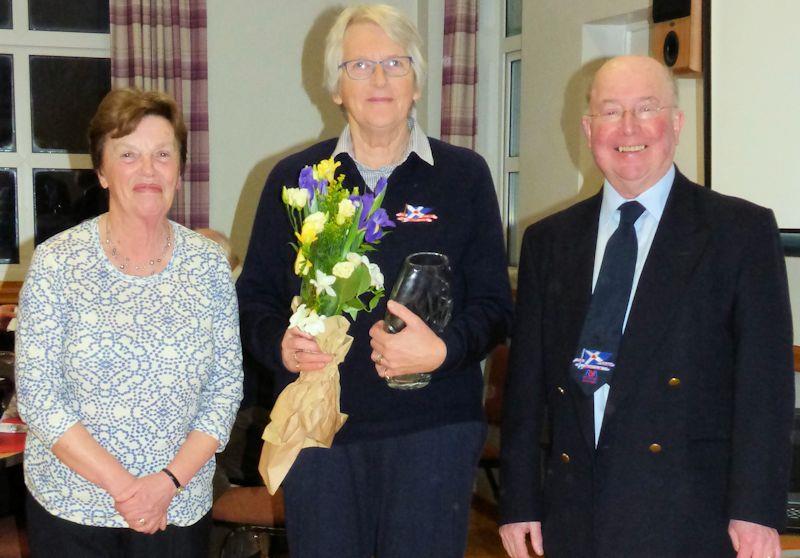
column 593, row 365
column 416, row 214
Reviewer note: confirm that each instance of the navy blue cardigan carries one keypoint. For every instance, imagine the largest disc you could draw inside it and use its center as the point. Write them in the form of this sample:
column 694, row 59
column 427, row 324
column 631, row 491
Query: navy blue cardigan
column 468, row 230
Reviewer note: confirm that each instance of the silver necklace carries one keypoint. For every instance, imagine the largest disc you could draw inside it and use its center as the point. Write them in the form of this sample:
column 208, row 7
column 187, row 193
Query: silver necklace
column 123, row 262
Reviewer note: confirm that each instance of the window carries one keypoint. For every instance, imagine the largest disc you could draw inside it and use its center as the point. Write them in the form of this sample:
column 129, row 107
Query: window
column 512, row 47
column 5, row 14
column 54, row 70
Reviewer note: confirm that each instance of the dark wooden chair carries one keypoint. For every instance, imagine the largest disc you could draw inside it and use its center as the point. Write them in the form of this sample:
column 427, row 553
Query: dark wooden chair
column 251, row 509
column 495, row 374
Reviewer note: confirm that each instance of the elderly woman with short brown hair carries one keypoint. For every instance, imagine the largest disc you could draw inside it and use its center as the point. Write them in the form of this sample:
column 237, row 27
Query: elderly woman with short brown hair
column 128, row 355
column 398, row 479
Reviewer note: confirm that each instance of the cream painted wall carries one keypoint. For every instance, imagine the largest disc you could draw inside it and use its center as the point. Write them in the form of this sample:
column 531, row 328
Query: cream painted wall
column 754, row 118
column 265, row 96
column 755, row 89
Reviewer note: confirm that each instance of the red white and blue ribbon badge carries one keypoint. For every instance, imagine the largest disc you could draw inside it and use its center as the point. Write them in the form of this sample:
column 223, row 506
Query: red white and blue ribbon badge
column 591, row 363
column 416, row 214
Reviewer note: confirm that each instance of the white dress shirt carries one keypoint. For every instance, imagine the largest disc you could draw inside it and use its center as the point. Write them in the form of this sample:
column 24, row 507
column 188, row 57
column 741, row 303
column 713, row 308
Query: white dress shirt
column 653, row 199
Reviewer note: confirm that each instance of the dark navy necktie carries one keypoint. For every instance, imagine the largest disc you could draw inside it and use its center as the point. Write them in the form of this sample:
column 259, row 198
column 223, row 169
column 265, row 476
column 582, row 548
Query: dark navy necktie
column 598, row 347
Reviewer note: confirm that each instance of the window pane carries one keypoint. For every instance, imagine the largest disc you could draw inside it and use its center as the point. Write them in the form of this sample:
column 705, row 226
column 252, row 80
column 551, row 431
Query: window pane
column 6, row 102
column 64, row 198
column 9, row 244
column 58, row 15
column 512, row 244
column 513, row 17
column 5, row 14
column 65, row 92
column 513, row 109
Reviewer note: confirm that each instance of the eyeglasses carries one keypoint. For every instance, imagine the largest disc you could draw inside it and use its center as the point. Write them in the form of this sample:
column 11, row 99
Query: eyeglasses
column 642, row 112
column 396, row 66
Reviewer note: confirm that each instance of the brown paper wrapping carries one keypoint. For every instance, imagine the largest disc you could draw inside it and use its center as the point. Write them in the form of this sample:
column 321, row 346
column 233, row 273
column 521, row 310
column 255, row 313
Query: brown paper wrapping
column 306, row 414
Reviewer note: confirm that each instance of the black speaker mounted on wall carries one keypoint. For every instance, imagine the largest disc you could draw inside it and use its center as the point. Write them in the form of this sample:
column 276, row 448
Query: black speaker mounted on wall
column 677, row 38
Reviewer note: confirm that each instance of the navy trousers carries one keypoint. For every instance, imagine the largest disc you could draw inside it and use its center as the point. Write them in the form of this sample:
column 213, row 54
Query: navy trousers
column 389, row 498
column 49, row 535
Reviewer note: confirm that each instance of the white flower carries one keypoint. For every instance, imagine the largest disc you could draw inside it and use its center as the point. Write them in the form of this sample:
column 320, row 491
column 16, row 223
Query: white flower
column 346, row 210
column 375, row 276
column 308, row 321
column 354, row 258
column 323, row 283
column 343, row 269
column 295, row 197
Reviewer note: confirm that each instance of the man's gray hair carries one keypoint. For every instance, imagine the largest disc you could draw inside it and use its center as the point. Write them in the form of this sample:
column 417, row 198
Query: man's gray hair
column 673, row 82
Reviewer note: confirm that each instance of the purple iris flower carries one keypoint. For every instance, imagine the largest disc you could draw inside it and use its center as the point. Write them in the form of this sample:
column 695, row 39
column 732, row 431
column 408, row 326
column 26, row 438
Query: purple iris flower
column 375, row 225
column 380, row 186
column 366, row 202
column 307, row 181
column 322, row 186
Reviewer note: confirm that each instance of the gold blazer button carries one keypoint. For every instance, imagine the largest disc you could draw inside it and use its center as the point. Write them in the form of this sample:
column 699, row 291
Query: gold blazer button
column 674, row 382
column 565, row 458
column 655, row 448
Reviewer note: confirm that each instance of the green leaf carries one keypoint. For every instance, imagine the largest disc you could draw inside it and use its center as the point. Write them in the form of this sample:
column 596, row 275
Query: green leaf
column 375, row 300
column 352, row 312
column 364, row 279
column 327, row 305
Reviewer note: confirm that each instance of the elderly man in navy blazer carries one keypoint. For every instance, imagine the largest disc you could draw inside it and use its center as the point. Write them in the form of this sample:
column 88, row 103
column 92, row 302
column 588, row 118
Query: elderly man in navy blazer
column 653, row 338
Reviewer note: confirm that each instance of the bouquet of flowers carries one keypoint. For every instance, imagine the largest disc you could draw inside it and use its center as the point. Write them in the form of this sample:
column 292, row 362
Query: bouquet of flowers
column 335, row 228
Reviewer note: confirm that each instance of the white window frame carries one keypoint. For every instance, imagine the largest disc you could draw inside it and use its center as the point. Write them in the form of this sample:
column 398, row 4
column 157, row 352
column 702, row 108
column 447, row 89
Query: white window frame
column 21, row 43
column 512, row 52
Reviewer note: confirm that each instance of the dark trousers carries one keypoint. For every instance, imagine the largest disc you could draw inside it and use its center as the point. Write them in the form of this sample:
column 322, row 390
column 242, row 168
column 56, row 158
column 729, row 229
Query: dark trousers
column 49, row 536
column 391, row 498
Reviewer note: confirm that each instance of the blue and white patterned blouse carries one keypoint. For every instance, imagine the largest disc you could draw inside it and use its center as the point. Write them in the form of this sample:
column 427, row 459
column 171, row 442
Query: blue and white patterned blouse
column 139, row 361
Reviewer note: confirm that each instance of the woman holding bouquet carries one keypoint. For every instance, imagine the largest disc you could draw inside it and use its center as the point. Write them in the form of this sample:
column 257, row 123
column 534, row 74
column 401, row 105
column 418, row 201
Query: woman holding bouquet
column 398, row 479
column 129, row 367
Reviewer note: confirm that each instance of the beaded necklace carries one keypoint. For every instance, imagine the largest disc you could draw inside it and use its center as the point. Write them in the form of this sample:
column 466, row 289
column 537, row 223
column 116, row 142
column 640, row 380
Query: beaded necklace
column 123, row 262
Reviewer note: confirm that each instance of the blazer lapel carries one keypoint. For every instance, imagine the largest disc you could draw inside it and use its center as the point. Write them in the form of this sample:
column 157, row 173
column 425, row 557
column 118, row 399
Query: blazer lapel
column 577, row 279
column 678, row 244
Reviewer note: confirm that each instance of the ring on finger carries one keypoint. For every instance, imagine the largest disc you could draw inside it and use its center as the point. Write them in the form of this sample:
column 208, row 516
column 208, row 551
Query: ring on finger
column 140, row 521
column 296, row 361
column 378, row 358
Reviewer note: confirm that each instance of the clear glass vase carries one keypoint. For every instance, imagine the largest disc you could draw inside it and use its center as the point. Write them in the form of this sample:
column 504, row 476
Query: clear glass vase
column 424, row 287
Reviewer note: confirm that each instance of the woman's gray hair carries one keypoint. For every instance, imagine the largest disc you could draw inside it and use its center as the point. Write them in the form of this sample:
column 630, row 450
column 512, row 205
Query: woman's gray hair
column 393, row 22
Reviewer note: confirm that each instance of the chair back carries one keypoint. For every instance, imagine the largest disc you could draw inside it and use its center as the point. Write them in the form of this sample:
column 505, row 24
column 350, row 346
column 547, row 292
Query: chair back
column 496, row 368
column 251, row 505
column 797, row 359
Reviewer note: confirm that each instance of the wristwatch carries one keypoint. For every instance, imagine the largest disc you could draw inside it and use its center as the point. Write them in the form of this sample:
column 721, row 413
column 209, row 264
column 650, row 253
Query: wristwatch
column 174, row 479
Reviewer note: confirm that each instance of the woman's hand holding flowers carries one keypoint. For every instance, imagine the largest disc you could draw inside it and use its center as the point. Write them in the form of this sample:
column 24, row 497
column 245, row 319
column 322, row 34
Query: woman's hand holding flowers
column 414, row 349
column 300, row 352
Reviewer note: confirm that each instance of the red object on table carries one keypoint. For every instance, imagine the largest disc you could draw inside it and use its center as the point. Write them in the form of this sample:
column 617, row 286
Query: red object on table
column 12, row 442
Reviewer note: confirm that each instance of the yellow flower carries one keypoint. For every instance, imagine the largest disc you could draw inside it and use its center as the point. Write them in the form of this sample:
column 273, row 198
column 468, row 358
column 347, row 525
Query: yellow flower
column 346, row 210
column 312, row 226
column 343, row 269
column 301, row 265
column 326, row 169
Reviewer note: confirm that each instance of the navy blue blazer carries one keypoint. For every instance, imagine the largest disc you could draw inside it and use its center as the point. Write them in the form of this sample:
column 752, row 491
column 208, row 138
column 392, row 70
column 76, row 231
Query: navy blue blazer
column 697, row 425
